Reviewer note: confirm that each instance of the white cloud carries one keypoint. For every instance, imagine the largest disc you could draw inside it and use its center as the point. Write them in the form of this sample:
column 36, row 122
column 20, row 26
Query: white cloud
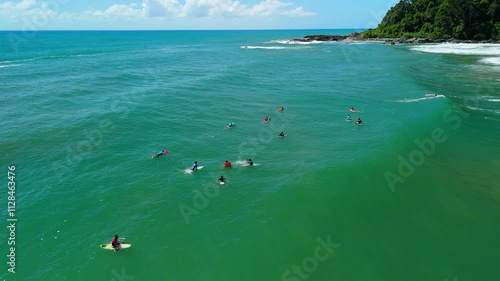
column 118, row 11
column 162, row 8
column 35, row 14
column 218, row 8
column 27, row 10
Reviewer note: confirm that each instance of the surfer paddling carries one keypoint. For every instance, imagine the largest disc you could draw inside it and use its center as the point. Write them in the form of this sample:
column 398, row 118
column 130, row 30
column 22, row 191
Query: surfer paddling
column 160, row 153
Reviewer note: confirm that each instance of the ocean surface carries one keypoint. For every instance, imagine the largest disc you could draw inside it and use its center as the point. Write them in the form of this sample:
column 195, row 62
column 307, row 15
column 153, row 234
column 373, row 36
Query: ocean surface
column 412, row 194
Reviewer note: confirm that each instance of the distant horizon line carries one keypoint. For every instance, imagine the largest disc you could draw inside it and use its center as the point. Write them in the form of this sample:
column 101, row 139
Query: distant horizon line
column 274, row 29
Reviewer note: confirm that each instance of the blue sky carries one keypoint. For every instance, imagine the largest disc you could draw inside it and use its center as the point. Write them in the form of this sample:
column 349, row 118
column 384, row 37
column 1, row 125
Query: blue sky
column 190, row 14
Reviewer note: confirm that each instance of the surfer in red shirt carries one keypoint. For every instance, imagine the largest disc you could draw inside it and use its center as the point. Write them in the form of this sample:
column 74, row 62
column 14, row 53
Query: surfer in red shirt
column 227, row 164
column 116, row 243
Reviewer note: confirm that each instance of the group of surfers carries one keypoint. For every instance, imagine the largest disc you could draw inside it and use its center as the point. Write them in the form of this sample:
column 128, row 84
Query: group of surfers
column 115, row 243
column 349, row 118
column 226, row 164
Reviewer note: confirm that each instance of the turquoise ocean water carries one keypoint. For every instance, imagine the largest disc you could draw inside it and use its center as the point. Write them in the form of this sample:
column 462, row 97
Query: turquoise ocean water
column 413, row 194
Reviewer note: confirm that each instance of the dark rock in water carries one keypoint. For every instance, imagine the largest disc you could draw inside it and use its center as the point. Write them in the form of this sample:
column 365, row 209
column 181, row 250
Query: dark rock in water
column 356, row 36
column 312, row 38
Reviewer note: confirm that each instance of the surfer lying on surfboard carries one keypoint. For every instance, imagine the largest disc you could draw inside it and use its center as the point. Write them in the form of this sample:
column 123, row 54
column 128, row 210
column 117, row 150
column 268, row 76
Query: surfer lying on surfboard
column 352, row 109
column 160, row 153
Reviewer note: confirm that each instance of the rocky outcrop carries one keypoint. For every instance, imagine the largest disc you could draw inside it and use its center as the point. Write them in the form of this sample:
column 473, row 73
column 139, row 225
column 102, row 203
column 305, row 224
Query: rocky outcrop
column 356, row 36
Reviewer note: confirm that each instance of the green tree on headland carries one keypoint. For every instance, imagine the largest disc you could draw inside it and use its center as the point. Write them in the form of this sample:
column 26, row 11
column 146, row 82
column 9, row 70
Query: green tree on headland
column 440, row 19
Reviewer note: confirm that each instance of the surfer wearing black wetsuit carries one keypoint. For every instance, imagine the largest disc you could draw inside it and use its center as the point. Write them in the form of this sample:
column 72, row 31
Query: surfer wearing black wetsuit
column 250, row 162
column 221, row 179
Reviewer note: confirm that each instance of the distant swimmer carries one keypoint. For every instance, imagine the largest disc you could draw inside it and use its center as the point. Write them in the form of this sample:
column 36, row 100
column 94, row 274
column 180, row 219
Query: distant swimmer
column 160, row 153
column 282, row 134
column 227, row 164
column 266, row 119
column 281, row 108
column 230, row 125
column 115, row 243
column 359, row 122
column 348, row 118
column 249, row 162
column 221, row 179
column 195, row 166
column 352, row 109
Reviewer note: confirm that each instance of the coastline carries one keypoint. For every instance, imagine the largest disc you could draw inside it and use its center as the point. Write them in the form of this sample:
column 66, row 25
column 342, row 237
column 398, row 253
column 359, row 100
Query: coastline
column 356, row 36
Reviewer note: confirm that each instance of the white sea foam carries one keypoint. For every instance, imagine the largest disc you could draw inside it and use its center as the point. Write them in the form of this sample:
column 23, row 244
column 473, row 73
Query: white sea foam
column 492, row 60
column 244, row 163
column 10, row 65
column 278, row 42
column 494, row 100
column 475, row 108
column 263, row 47
column 420, row 99
column 459, row 49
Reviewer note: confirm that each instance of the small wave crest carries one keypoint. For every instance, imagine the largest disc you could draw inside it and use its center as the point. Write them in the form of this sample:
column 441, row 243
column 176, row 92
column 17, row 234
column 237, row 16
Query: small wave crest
column 278, row 42
column 420, row 99
column 485, row 110
column 9, row 65
column 264, row 47
column 493, row 60
column 244, row 163
column 459, row 49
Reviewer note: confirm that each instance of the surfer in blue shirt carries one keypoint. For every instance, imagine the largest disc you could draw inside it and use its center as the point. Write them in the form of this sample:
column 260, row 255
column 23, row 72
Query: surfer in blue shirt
column 230, row 125
column 195, row 166
column 348, row 118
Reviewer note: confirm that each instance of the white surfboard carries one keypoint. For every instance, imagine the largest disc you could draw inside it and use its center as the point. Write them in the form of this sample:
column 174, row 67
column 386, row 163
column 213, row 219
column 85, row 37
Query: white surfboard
column 222, row 183
column 189, row 171
column 109, row 247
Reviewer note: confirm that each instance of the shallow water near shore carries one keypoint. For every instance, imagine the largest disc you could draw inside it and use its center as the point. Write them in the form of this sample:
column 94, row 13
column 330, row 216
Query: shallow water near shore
column 413, row 194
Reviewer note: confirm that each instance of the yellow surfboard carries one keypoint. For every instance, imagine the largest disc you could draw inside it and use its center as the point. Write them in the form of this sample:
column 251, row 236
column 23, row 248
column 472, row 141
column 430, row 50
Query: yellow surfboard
column 109, row 247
